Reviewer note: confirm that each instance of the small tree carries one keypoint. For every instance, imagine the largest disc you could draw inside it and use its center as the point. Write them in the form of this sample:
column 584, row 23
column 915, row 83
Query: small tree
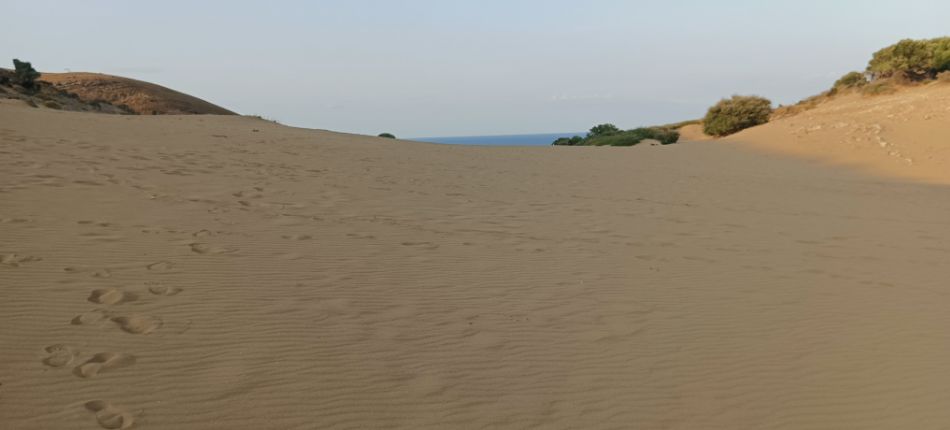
column 387, row 135
column 941, row 48
column 603, row 130
column 912, row 59
column 569, row 141
column 851, row 80
column 735, row 114
column 24, row 74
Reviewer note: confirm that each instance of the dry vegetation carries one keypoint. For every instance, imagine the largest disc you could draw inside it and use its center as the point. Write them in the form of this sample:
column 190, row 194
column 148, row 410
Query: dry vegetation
column 21, row 84
column 904, row 64
column 141, row 97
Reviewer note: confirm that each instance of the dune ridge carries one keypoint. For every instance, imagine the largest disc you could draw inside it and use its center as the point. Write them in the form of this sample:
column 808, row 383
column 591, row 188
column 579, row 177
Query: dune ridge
column 206, row 272
column 903, row 135
column 141, row 97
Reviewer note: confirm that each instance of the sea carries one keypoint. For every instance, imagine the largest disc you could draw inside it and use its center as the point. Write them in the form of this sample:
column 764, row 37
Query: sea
column 501, row 140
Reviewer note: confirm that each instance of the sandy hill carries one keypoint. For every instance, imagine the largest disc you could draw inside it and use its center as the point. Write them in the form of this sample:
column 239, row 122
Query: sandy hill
column 141, row 97
column 903, row 134
column 216, row 272
column 46, row 96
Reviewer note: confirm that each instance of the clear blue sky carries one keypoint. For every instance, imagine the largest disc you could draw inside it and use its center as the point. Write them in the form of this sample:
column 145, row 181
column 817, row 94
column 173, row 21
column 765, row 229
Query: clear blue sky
column 439, row 67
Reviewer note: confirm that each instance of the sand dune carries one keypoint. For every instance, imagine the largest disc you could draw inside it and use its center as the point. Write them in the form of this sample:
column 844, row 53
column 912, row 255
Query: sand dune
column 140, row 97
column 208, row 272
column 904, row 135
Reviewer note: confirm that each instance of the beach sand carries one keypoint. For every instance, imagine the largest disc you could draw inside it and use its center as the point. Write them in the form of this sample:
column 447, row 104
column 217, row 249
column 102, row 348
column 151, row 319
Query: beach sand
column 210, row 272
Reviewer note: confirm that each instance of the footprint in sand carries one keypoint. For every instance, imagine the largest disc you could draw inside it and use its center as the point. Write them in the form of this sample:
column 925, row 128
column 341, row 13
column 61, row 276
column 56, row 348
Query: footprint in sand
column 103, row 362
column 164, row 290
column 138, row 324
column 160, row 266
column 90, row 317
column 15, row 260
column 426, row 245
column 204, row 248
column 202, row 233
column 59, row 355
column 298, row 237
column 111, row 296
column 109, row 416
column 96, row 273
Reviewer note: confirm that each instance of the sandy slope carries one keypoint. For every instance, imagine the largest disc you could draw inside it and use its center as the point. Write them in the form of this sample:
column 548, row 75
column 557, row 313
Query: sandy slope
column 141, row 97
column 222, row 272
column 906, row 134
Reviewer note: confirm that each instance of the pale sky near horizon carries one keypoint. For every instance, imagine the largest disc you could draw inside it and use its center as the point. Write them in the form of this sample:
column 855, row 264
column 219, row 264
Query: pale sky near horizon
column 453, row 68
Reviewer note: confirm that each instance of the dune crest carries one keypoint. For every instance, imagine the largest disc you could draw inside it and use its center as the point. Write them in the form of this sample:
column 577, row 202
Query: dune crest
column 902, row 134
column 141, row 97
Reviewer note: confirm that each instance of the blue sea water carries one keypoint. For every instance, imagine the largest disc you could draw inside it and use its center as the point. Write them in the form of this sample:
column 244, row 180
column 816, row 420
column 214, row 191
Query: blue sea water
column 506, row 140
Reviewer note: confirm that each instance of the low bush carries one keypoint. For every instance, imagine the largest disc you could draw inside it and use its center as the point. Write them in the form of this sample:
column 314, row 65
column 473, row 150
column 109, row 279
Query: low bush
column 569, row 141
column 387, row 135
column 915, row 59
column 737, row 113
column 851, row 80
column 23, row 74
column 614, row 136
column 52, row 105
column 603, row 130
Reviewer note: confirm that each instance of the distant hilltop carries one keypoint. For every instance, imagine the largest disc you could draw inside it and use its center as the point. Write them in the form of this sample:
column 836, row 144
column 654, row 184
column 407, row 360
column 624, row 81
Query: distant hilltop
column 95, row 92
column 143, row 98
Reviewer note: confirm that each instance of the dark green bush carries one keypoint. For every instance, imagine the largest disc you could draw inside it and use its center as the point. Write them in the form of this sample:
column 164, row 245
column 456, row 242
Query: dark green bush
column 24, row 74
column 603, row 130
column 569, row 141
column 735, row 114
column 387, row 135
column 941, row 48
column 913, row 59
column 617, row 137
column 851, row 80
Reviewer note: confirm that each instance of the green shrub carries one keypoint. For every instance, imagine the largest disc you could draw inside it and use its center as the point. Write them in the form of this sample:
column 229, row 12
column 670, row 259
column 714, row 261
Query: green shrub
column 851, row 80
column 735, row 114
column 603, row 130
column 569, row 141
column 24, row 74
column 635, row 136
column 941, row 48
column 914, row 59
column 387, row 135
column 616, row 137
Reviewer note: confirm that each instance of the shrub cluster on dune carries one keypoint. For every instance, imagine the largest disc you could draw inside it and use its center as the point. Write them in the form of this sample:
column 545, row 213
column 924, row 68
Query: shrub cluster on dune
column 611, row 135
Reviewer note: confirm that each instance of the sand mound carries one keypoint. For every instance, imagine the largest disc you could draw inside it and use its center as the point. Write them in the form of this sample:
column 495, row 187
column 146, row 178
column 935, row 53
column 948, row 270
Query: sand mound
column 902, row 134
column 693, row 133
column 176, row 272
column 141, row 97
